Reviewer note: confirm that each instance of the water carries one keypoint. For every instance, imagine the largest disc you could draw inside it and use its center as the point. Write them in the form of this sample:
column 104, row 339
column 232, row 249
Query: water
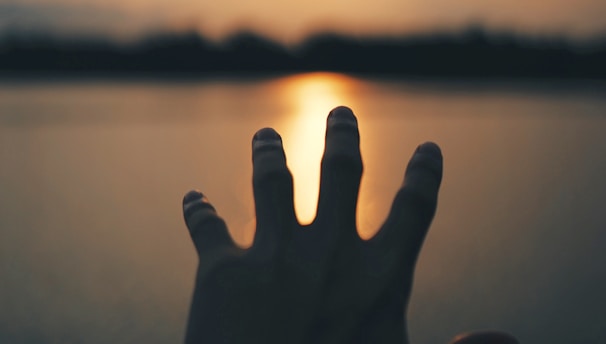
column 93, row 247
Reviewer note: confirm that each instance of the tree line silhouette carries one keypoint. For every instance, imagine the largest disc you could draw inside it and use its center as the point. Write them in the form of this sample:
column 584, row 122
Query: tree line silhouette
column 473, row 52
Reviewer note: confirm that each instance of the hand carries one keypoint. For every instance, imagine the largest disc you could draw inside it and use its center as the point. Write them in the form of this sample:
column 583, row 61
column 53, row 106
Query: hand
column 319, row 283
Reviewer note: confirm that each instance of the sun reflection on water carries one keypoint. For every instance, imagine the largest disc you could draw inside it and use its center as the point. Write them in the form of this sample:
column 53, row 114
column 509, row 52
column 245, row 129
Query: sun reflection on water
column 311, row 97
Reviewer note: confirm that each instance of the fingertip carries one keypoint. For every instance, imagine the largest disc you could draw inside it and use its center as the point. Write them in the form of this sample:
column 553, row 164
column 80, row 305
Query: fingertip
column 266, row 134
column 269, row 160
column 266, row 138
column 425, row 167
column 194, row 200
column 430, row 148
column 342, row 114
column 192, row 196
column 268, row 154
column 205, row 226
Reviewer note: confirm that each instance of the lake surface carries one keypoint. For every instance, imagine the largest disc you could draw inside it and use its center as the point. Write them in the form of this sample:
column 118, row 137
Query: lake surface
column 93, row 247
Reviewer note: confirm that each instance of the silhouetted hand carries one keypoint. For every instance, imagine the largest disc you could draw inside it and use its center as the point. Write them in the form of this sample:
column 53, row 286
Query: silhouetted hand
column 319, row 283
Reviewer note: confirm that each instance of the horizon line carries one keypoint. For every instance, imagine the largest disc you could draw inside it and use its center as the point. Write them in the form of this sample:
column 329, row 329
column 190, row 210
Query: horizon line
column 471, row 29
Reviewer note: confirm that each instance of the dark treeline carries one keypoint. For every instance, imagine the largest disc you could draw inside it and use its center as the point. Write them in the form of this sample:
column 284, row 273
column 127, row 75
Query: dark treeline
column 470, row 53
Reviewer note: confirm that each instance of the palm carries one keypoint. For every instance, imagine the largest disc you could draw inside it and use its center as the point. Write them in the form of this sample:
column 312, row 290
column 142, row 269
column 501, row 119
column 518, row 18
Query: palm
column 319, row 283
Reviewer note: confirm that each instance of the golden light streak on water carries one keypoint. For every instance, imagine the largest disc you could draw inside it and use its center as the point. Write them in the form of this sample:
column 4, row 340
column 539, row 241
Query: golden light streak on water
column 311, row 97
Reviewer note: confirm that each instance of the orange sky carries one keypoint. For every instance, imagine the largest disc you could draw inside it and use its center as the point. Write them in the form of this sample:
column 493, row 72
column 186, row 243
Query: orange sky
column 288, row 21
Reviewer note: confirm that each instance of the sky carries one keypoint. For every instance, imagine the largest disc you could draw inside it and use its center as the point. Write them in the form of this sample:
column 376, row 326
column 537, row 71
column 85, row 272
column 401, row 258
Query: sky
column 292, row 20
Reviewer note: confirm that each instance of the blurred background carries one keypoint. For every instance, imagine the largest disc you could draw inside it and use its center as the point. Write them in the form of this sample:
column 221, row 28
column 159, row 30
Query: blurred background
column 111, row 110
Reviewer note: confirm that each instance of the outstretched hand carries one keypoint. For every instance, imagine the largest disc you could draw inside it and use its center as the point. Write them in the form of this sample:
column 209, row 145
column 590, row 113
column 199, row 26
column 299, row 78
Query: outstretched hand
column 319, row 283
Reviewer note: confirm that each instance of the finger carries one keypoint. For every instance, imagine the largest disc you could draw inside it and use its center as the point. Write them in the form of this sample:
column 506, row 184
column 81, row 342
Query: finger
column 273, row 189
column 341, row 171
column 206, row 228
column 415, row 203
column 485, row 337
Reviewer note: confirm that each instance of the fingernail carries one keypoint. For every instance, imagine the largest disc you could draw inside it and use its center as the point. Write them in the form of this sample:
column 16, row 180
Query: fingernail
column 192, row 196
column 267, row 134
column 342, row 114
